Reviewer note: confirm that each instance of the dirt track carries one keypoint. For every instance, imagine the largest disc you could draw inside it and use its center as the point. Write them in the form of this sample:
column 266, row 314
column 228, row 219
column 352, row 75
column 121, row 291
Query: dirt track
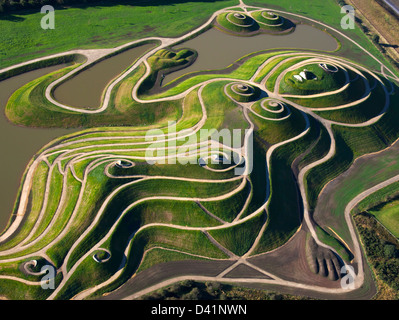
column 377, row 17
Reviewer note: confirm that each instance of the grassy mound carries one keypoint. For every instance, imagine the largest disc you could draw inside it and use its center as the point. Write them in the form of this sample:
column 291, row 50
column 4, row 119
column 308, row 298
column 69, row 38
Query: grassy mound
column 163, row 62
column 243, row 92
column 237, row 22
column 317, row 80
column 271, row 21
column 360, row 112
column 272, row 131
column 354, row 92
column 270, row 108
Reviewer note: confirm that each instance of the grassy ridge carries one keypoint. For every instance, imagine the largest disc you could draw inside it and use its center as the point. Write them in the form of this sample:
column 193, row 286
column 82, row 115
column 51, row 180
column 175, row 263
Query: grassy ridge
column 29, row 107
column 150, row 188
column 360, row 112
column 352, row 143
column 320, row 81
column 229, row 208
column 277, row 131
column 97, row 188
column 163, row 61
column 332, row 241
column 156, row 256
column 353, row 93
column 194, row 242
column 36, row 200
column 284, row 209
column 328, row 12
column 239, row 238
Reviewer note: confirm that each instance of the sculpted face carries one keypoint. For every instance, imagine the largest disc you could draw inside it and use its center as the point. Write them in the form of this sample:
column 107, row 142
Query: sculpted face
column 114, row 202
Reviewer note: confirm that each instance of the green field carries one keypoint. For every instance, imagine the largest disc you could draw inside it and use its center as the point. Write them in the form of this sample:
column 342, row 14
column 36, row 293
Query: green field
column 388, row 215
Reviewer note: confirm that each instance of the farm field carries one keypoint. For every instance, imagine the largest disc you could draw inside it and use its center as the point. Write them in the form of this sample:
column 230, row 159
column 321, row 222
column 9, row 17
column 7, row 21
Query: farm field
column 388, row 216
column 219, row 176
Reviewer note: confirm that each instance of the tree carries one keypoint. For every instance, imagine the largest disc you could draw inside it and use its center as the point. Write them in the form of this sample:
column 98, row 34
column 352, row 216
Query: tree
column 376, row 39
column 390, row 251
column 194, row 294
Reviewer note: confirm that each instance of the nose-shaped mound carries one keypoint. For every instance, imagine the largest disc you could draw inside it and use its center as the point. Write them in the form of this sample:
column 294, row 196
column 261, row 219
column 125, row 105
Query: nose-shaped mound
column 242, row 92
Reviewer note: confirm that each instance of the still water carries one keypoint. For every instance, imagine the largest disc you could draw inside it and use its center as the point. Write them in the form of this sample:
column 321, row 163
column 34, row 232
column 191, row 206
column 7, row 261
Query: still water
column 85, row 89
column 217, row 50
column 19, row 144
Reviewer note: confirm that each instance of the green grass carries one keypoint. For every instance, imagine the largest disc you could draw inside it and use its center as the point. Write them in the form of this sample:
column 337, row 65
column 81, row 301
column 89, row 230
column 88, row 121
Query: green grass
column 230, row 23
column 15, row 290
column 194, row 242
column 284, row 210
column 388, row 215
column 378, row 169
column 96, row 190
column 167, row 210
column 249, row 94
column 377, row 198
column 37, row 195
column 360, row 112
column 354, row 92
column 272, row 131
column 262, row 16
column 329, row 13
column 332, row 241
column 29, row 107
column 350, row 144
column 323, row 81
column 228, row 209
column 100, row 26
column 240, row 238
column 257, row 107
column 156, row 256
column 164, row 60
column 320, row 149
column 283, row 65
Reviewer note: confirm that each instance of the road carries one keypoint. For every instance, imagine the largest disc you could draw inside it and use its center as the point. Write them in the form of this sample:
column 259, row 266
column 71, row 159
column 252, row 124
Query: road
column 394, row 4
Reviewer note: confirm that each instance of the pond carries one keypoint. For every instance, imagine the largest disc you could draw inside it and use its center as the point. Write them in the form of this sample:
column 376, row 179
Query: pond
column 85, row 89
column 19, row 144
column 217, row 50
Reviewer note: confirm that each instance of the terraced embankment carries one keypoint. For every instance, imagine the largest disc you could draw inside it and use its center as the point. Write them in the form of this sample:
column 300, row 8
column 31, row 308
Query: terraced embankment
column 114, row 202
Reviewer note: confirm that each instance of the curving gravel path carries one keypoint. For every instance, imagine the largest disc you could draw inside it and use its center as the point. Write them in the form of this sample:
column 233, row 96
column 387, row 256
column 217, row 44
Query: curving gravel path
column 66, row 155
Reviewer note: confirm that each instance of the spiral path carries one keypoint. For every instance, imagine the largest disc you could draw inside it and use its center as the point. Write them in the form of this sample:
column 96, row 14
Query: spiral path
column 117, row 161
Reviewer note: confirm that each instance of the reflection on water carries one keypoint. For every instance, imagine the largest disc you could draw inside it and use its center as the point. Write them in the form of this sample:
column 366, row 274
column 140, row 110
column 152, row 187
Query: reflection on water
column 18, row 144
column 217, row 50
column 85, row 89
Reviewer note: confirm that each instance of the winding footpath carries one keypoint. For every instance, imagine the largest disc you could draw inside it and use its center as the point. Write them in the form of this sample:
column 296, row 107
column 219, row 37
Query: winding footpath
column 67, row 157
